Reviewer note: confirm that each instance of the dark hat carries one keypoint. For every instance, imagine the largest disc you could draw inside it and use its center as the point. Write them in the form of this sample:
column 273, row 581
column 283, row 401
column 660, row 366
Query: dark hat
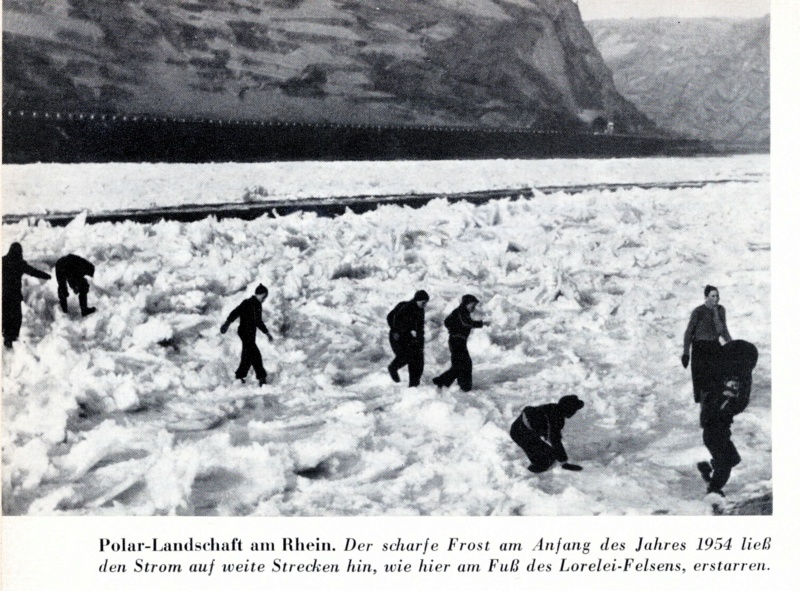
column 421, row 296
column 469, row 299
column 261, row 289
column 570, row 404
column 709, row 289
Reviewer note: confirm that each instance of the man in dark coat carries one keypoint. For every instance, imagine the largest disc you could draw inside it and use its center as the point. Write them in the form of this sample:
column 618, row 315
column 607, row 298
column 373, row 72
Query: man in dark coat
column 719, row 407
column 14, row 267
column 537, row 430
column 459, row 324
column 249, row 315
column 72, row 270
column 407, row 337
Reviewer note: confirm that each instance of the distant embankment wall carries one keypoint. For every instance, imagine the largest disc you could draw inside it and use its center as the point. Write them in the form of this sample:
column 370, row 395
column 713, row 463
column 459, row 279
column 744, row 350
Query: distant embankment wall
column 31, row 136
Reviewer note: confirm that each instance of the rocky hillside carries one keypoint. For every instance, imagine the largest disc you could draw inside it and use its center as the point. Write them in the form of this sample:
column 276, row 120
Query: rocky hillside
column 705, row 78
column 456, row 62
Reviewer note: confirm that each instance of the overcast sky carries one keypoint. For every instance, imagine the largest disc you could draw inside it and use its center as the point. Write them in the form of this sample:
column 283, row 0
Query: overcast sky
column 597, row 9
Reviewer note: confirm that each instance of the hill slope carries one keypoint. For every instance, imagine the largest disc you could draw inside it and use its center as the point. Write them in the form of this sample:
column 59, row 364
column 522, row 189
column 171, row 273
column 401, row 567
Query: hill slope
column 476, row 62
column 705, row 78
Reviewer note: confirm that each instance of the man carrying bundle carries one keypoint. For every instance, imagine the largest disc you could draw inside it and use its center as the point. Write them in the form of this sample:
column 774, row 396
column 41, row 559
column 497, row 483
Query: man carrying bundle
column 730, row 397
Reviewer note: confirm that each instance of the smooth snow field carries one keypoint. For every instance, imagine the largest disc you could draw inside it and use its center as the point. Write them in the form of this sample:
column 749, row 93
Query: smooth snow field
column 37, row 189
column 135, row 410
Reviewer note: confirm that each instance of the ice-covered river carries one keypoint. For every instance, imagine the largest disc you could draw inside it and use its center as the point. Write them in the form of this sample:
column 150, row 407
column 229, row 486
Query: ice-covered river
column 135, row 411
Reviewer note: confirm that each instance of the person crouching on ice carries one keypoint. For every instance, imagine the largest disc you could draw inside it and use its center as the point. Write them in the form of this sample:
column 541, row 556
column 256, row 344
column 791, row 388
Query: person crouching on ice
column 249, row 315
column 459, row 324
column 72, row 270
column 718, row 408
column 537, row 430
column 407, row 337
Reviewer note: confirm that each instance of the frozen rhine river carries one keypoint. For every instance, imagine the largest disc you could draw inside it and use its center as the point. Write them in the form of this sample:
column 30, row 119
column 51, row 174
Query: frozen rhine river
column 135, row 411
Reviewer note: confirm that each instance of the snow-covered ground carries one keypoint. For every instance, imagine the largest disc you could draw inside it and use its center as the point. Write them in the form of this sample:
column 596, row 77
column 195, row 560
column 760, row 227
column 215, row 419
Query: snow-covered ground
column 103, row 187
column 134, row 410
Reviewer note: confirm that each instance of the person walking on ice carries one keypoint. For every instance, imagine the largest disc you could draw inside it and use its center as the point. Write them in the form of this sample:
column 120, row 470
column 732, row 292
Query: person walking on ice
column 459, row 324
column 407, row 337
column 72, row 270
column 249, row 315
column 14, row 267
column 537, row 430
column 717, row 409
column 706, row 325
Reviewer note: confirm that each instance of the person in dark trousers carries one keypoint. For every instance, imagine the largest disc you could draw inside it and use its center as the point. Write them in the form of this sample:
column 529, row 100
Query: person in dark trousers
column 72, row 270
column 459, row 324
column 706, row 325
column 407, row 337
column 249, row 315
column 719, row 406
column 14, row 267
column 537, row 430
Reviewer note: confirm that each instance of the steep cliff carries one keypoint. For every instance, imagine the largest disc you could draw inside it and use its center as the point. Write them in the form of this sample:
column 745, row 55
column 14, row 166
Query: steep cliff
column 703, row 78
column 457, row 62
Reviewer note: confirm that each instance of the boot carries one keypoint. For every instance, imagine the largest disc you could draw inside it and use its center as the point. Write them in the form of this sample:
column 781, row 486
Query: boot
column 705, row 470
column 85, row 309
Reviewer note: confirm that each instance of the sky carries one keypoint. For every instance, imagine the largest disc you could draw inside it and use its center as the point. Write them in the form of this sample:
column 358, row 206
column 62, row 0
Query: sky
column 599, row 9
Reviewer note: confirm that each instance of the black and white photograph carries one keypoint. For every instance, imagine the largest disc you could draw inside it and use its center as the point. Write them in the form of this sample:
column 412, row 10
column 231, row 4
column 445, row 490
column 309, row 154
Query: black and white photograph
column 329, row 258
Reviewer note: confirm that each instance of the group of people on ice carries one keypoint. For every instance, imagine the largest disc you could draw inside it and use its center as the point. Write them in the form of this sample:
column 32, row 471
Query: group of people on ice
column 721, row 374
column 71, row 270
column 537, row 430
column 721, row 380
column 407, row 340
